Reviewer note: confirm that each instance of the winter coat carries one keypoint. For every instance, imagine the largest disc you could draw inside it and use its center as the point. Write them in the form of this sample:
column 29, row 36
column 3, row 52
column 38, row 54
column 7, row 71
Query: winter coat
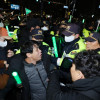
column 16, row 64
column 38, row 80
column 83, row 89
column 3, row 75
column 3, row 70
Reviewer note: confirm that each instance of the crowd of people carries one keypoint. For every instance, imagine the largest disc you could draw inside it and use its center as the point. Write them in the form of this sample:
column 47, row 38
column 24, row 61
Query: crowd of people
column 30, row 51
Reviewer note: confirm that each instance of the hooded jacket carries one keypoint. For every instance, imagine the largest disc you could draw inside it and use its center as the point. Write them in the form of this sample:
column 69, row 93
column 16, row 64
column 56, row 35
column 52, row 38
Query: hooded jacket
column 83, row 89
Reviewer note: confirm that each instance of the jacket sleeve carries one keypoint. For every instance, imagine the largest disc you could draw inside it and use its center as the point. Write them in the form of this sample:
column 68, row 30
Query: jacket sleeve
column 3, row 80
column 54, row 91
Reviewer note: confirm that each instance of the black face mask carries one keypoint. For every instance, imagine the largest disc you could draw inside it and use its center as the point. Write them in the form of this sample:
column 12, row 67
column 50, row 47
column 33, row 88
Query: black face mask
column 61, row 30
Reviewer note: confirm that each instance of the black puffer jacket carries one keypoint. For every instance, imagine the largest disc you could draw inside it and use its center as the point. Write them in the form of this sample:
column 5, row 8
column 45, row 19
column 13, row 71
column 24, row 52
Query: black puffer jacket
column 83, row 89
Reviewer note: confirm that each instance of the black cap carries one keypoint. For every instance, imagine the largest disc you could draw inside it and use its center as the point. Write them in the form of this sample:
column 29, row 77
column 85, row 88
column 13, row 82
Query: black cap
column 93, row 37
column 37, row 33
column 71, row 29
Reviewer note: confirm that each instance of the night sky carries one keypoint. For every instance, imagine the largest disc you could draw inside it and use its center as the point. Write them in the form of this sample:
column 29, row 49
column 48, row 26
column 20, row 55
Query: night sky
column 87, row 6
column 83, row 7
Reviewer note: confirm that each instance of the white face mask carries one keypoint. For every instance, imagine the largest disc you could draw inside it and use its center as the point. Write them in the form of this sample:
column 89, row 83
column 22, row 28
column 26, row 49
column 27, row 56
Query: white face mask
column 1, row 24
column 3, row 43
column 45, row 28
column 69, row 38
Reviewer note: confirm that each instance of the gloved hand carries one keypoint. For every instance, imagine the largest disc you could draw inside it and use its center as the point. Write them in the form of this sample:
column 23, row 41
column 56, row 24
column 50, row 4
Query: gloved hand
column 67, row 63
column 64, row 55
column 60, row 60
column 71, row 48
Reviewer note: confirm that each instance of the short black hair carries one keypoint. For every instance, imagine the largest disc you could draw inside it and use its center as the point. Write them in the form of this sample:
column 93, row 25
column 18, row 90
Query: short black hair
column 88, row 62
column 28, row 47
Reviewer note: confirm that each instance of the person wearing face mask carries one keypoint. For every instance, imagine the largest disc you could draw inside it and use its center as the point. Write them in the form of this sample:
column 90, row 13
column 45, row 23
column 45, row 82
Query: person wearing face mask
column 25, row 29
column 45, row 28
column 6, row 53
column 73, row 43
column 47, row 32
column 5, row 45
column 23, row 32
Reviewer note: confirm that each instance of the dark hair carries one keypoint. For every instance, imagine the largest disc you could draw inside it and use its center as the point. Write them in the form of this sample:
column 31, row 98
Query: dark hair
column 99, row 40
column 88, row 62
column 27, row 47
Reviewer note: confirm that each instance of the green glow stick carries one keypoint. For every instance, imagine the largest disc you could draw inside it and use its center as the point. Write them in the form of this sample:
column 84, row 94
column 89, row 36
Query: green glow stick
column 17, row 78
column 70, row 19
column 19, row 18
column 8, row 30
column 55, row 46
column 83, row 20
column 60, row 41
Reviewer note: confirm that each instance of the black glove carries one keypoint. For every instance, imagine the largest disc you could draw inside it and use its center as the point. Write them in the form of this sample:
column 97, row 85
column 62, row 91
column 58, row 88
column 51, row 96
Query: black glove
column 71, row 48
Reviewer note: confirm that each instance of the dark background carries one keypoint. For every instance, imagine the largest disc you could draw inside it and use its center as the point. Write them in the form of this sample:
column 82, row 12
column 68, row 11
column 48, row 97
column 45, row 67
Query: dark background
column 82, row 7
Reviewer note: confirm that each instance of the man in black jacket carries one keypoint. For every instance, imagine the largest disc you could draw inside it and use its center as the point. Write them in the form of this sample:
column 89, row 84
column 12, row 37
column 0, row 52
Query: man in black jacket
column 85, row 74
column 32, row 73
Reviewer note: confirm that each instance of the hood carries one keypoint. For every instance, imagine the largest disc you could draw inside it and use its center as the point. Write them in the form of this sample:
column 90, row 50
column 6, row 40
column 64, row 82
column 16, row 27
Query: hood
column 87, row 84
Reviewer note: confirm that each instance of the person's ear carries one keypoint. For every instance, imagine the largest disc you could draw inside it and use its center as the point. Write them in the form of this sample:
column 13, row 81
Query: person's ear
column 76, row 36
column 28, row 55
column 32, row 28
column 33, row 39
column 80, row 75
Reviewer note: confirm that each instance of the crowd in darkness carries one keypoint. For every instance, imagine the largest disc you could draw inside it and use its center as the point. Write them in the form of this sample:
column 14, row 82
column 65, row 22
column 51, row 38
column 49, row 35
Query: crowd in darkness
column 55, row 59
